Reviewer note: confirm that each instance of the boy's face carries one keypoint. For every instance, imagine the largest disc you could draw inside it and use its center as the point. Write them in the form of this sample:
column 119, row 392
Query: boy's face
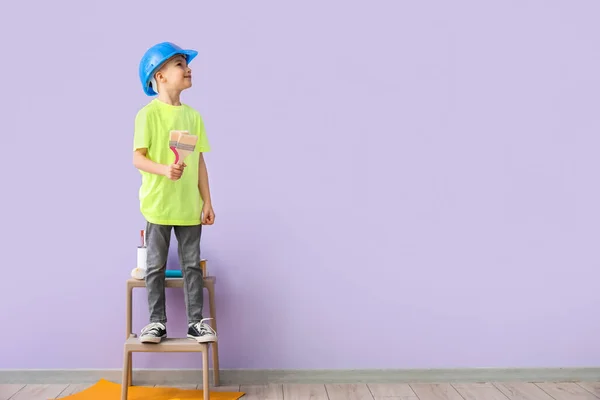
column 175, row 74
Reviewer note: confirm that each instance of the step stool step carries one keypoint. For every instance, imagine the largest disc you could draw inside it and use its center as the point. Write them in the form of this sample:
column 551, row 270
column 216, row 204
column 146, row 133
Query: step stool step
column 166, row 345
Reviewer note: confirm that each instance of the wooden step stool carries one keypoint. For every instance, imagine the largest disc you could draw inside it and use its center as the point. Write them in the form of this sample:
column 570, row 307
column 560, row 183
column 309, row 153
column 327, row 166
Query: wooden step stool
column 132, row 344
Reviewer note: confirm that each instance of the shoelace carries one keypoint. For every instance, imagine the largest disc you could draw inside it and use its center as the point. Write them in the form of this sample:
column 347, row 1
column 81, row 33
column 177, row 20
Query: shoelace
column 204, row 328
column 152, row 328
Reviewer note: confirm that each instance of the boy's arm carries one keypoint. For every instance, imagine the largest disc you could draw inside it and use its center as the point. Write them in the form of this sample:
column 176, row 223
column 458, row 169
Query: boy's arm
column 203, row 181
column 143, row 163
column 208, row 215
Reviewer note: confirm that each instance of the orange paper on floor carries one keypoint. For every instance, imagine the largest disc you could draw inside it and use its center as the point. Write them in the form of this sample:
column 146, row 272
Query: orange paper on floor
column 105, row 390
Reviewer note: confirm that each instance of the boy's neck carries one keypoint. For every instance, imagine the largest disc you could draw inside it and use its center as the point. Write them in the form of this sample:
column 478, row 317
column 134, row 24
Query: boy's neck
column 171, row 98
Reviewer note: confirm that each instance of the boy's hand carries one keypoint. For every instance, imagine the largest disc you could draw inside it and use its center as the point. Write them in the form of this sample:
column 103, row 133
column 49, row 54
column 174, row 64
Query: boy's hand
column 208, row 215
column 174, row 171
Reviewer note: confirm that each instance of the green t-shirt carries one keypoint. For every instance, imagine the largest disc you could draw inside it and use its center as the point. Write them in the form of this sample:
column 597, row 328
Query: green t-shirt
column 163, row 201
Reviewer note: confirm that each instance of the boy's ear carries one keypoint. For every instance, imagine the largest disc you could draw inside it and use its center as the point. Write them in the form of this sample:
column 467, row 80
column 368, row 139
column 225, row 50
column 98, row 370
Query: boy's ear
column 159, row 76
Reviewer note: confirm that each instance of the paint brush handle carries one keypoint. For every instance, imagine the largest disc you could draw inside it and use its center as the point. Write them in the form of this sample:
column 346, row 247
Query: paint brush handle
column 174, row 150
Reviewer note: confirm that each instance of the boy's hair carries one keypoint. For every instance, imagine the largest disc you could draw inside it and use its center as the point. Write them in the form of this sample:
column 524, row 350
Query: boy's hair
column 152, row 60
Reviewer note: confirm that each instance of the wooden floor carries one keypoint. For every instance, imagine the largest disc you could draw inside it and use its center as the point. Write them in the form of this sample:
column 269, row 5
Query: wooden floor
column 416, row 391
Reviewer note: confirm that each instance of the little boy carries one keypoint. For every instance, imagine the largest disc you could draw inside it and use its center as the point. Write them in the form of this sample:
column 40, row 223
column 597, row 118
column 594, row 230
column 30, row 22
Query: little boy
column 171, row 196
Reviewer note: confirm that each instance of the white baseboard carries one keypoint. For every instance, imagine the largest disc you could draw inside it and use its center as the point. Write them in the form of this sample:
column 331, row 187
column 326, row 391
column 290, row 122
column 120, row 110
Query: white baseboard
column 249, row 377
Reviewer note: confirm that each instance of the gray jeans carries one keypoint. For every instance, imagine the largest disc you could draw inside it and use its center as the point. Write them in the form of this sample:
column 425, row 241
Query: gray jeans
column 158, row 238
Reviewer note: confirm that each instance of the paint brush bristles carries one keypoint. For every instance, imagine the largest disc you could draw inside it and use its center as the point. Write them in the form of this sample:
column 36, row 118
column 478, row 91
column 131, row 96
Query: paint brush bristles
column 173, row 139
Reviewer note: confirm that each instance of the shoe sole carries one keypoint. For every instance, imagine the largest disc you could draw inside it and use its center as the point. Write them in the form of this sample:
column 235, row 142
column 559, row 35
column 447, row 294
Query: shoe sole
column 151, row 339
column 203, row 339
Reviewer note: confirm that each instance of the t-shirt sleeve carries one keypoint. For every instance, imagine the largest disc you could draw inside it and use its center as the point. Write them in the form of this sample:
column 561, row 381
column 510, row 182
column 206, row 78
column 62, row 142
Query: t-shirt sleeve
column 141, row 133
column 202, row 146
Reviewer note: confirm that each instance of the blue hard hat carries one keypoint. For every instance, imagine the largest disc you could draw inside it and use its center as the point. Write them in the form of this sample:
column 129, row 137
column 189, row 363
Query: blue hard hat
column 154, row 57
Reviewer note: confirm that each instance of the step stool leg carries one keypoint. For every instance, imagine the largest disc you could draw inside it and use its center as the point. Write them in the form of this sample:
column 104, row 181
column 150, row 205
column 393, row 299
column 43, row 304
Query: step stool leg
column 130, row 369
column 125, row 378
column 215, row 345
column 205, row 384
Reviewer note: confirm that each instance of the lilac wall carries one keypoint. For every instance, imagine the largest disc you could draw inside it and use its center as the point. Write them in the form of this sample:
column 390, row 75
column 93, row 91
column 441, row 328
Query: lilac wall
column 416, row 178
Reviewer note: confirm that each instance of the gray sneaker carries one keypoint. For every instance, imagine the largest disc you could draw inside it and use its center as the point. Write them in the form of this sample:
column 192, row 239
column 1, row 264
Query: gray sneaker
column 153, row 333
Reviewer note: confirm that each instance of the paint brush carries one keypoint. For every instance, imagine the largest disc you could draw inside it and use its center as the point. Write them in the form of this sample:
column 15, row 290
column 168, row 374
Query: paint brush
column 173, row 139
column 185, row 146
